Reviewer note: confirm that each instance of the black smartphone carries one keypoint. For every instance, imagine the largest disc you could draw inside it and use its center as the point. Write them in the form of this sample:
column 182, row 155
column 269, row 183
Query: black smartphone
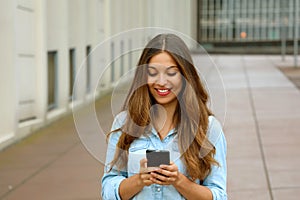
column 156, row 158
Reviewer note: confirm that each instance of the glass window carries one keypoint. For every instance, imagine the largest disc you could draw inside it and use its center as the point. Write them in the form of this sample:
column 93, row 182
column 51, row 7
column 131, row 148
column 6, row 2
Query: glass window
column 52, row 80
column 72, row 65
column 88, row 69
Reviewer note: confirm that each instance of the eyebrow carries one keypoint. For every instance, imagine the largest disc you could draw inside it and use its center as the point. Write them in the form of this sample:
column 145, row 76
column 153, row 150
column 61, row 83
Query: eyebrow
column 170, row 67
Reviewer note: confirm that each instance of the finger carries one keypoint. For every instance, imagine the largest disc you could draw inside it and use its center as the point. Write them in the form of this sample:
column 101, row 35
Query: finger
column 143, row 165
column 173, row 175
column 172, row 167
column 158, row 181
column 161, row 177
column 166, row 173
column 171, row 179
column 148, row 182
column 146, row 179
column 145, row 176
column 162, row 180
column 143, row 162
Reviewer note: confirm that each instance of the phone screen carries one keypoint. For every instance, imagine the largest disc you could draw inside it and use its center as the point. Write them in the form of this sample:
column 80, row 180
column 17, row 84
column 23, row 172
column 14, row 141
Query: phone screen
column 157, row 157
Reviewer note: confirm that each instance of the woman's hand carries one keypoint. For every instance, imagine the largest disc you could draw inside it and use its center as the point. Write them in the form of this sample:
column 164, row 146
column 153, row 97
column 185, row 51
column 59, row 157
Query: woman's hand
column 130, row 186
column 144, row 174
column 166, row 175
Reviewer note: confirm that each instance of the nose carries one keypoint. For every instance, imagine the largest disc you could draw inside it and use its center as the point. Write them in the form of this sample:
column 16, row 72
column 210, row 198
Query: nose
column 162, row 80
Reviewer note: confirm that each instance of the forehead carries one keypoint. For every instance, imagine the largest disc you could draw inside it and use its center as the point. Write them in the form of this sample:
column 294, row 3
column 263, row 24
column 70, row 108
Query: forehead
column 162, row 59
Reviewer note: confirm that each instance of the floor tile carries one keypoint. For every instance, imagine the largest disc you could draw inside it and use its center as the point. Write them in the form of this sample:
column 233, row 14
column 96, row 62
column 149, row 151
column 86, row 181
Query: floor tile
column 246, row 174
column 249, row 195
column 287, row 194
column 284, row 178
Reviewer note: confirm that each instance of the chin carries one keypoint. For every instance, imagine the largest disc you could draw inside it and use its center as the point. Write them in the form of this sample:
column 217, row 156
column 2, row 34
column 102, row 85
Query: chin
column 165, row 101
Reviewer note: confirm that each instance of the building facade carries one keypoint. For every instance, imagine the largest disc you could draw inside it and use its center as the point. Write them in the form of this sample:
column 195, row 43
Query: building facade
column 265, row 23
column 45, row 43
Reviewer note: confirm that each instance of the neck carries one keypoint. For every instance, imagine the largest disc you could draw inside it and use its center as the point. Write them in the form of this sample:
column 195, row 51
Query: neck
column 164, row 121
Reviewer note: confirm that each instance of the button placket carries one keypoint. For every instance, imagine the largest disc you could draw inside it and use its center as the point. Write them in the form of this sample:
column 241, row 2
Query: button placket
column 158, row 192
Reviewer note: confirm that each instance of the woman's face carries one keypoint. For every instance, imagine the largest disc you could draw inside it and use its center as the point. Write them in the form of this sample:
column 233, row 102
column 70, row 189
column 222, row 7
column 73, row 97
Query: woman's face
column 164, row 79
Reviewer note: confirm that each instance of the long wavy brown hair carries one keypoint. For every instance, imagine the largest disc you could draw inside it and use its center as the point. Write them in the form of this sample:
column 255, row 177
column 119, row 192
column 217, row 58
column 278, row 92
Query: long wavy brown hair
column 191, row 116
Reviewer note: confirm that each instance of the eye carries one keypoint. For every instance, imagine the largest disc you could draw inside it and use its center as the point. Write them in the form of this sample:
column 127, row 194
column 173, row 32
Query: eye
column 152, row 72
column 172, row 73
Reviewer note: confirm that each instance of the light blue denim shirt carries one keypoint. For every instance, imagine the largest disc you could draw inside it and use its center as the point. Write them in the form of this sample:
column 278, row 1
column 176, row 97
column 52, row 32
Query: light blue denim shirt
column 215, row 181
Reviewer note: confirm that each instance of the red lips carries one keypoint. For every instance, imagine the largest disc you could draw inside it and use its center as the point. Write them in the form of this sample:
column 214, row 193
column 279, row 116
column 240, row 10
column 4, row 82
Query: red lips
column 163, row 92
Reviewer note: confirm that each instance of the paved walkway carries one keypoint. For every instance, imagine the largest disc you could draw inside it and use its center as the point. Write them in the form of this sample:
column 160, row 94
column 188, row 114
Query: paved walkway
column 261, row 126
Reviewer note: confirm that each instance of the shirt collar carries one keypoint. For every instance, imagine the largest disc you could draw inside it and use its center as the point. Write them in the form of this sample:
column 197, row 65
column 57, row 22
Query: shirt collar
column 170, row 133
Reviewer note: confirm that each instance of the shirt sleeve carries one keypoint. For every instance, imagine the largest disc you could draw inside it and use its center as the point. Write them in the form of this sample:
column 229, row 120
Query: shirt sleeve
column 216, row 180
column 111, row 180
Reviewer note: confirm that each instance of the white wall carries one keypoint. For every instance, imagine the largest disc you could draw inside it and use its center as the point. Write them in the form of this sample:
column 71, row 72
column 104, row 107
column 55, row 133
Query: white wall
column 8, row 104
column 32, row 28
column 57, row 40
column 26, row 69
column 41, row 60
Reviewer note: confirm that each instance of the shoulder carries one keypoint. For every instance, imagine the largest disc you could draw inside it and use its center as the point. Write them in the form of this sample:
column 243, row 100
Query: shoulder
column 214, row 122
column 119, row 120
column 215, row 131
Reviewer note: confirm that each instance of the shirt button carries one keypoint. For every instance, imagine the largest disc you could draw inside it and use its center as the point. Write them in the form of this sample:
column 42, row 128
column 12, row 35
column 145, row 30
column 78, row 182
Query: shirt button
column 158, row 189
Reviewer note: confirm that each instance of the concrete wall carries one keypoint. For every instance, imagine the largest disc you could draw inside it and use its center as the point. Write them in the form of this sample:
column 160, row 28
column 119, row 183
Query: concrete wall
column 32, row 28
column 8, row 105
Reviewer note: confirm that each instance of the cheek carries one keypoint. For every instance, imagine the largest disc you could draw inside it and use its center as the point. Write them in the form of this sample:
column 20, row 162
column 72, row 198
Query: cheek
column 178, row 83
column 149, row 84
column 150, row 80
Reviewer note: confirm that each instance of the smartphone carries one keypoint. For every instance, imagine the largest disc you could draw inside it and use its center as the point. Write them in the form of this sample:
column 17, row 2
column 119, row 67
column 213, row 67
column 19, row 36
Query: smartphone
column 156, row 158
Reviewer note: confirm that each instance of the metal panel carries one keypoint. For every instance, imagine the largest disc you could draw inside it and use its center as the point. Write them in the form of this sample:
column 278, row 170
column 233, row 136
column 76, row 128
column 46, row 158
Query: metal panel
column 52, row 72
column 231, row 20
column 204, row 21
column 250, row 25
column 211, row 24
column 243, row 20
column 290, row 19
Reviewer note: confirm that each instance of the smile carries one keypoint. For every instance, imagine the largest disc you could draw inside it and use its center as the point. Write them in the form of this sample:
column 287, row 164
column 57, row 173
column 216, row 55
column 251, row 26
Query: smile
column 163, row 92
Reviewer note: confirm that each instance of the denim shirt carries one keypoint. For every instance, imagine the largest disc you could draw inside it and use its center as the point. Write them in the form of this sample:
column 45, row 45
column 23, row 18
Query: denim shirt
column 215, row 181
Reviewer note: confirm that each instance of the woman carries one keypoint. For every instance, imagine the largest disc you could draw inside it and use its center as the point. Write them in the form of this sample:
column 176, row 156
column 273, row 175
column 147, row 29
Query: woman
column 166, row 110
